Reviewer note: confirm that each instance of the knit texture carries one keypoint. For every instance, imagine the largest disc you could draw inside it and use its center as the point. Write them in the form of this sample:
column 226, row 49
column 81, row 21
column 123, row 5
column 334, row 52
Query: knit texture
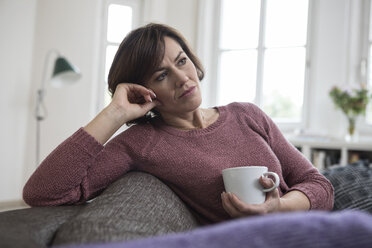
column 189, row 162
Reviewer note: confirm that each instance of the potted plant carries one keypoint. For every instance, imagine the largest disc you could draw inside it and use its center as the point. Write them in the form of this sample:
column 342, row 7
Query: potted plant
column 353, row 102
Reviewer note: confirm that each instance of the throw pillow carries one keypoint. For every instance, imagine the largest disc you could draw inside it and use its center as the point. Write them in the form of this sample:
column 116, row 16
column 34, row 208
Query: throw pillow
column 353, row 186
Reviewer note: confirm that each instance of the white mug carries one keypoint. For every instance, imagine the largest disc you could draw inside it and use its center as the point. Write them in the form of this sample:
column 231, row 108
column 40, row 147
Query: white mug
column 244, row 183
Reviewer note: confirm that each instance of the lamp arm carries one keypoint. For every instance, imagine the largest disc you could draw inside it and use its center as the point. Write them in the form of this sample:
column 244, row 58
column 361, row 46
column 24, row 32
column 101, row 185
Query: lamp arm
column 40, row 110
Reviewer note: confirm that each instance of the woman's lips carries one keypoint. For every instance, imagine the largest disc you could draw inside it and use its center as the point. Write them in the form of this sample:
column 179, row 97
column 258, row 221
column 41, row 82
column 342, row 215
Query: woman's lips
column 188, row 92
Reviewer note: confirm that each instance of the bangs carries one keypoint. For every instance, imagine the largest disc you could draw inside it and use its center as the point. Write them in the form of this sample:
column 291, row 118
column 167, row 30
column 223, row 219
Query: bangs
column 146, row 56
column 137, row 58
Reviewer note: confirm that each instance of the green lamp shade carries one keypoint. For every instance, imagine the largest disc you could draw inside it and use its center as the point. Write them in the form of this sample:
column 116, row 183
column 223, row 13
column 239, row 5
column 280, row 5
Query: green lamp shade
column 64, row 72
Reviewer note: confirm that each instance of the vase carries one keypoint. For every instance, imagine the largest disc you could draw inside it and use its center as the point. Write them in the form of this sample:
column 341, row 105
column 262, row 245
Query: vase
column 351, row 134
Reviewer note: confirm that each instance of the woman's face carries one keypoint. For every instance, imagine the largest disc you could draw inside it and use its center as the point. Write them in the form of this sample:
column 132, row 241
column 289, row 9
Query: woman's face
column 175, row 82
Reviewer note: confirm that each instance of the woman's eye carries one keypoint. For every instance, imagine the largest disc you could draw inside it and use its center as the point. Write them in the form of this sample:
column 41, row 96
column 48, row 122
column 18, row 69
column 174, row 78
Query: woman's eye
column 161, row 76
column 182, row 61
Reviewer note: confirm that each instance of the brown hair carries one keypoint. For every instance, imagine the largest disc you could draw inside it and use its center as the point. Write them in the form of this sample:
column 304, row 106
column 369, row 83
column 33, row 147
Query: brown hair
column 140, row 54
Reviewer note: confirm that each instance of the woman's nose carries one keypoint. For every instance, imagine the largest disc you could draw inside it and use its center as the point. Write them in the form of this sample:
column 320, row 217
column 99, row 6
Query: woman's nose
column 181, row 78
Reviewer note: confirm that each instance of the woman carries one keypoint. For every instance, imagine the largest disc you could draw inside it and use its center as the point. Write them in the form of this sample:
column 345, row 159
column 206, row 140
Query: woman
column 182, row 144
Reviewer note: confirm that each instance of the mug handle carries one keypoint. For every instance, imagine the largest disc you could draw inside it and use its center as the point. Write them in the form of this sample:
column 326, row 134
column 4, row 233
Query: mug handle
column 277, row 181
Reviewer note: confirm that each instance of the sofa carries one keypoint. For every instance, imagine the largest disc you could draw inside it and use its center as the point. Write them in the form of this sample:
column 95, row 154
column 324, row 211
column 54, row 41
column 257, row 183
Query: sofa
column 140, row 208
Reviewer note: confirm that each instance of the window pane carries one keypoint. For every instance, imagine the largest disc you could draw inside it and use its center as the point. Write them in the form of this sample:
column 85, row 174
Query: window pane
column 283, row 83
column 237, row 77
column 370, row 23
column 369, row 113
column 239, row 23
column 110, row 54
column 369, row 107
column 119, row 22
column 286, row 23
column 369, row 76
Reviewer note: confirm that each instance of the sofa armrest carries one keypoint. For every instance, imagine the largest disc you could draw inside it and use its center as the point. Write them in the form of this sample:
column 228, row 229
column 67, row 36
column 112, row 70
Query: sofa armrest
column 135, row 206
column 32, row 227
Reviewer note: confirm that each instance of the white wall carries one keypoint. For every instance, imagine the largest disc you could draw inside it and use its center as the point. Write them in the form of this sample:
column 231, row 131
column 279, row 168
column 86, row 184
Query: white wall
column 32, row 27
column 180, row 14
column 17, row 19
column 70, row 27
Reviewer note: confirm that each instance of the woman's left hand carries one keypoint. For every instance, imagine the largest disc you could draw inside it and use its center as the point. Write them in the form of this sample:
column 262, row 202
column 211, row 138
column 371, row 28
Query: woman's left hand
column 237, row 208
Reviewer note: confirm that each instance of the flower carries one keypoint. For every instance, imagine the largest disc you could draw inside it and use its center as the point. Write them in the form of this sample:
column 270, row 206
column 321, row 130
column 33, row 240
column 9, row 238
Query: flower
column 351, row 100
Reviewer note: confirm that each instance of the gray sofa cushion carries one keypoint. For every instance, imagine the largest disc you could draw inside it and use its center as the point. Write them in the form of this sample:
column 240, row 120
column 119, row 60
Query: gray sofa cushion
column 353, row 186
column 137, row 205
column 33, row 227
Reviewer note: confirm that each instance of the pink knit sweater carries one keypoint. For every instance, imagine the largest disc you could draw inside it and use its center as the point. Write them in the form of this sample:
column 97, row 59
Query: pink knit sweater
column 189, row 162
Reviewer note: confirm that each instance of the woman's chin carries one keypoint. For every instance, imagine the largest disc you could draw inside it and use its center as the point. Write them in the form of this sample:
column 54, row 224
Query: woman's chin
column 189, row 106
column 193, row 104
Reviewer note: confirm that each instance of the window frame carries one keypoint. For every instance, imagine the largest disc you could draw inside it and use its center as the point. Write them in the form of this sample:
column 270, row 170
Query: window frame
column 137, row 14
column 212, row 62
column 363, row 58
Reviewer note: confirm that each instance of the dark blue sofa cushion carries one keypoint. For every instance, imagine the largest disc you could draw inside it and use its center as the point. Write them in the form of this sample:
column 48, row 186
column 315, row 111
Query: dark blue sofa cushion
column 353, row 186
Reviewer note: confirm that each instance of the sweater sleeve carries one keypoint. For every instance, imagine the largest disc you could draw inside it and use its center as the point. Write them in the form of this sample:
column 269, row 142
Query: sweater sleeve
column 77, row 170
column 298, row 172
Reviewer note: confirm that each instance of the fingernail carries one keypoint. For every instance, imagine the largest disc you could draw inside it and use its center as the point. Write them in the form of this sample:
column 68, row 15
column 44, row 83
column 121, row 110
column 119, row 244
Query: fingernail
column 153, row 94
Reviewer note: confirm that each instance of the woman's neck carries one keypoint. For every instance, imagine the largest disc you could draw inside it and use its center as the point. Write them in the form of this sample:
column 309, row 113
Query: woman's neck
column 198, row 119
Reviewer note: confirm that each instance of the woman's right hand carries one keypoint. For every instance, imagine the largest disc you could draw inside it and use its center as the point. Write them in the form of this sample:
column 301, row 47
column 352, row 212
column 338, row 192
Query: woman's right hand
column 131, row 101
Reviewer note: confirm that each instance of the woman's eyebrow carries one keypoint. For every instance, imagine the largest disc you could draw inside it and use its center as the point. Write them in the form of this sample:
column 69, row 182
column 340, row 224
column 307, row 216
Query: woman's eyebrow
column 179, row 54
column 175, row 60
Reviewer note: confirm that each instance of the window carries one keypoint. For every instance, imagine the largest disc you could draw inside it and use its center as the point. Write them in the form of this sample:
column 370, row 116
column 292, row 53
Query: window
column 120, row 17
column 366, row 63
column 262, row 55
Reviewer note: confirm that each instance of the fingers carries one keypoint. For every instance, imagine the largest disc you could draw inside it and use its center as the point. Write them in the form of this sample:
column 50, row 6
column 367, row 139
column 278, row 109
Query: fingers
column 136, row 88
column 139, row 94
column 237, row 208
column 149, row 95
column 149, row 105
column 266, row 182
column 273, row 201
column 229, row 206
column 145, row 92
column 135, row 93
